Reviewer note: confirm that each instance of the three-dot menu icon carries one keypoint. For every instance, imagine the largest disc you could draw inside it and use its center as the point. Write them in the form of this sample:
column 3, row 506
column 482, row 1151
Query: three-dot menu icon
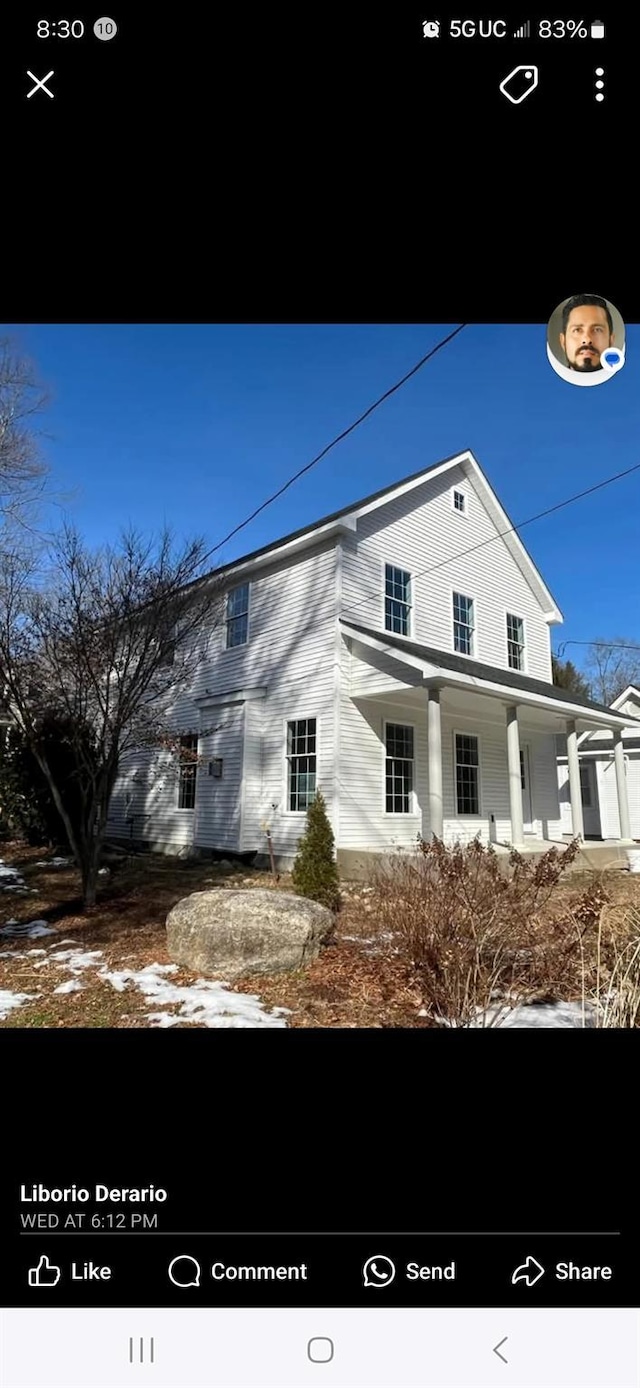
column 599, row 84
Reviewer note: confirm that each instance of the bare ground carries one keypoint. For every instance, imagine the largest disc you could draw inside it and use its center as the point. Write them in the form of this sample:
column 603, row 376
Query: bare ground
column 357, row 981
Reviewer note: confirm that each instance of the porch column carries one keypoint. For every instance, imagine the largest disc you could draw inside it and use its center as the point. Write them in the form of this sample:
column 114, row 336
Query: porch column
column 515, row 778
column 434, row 744
column 575, row 791
column 621, row 787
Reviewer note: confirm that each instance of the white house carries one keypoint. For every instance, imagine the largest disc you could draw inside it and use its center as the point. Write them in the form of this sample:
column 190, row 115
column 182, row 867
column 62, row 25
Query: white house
column 597, row 755
column 396, row 655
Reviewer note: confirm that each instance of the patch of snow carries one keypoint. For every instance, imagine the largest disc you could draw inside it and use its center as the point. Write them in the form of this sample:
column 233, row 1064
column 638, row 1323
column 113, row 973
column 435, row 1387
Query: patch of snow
column 75, row 959
column 55, row 862
column 9, row 872
column 9, row 1001
column 550, row 1014
column 204, row 1001
column 30, row 930
column 508, row 1013
column 20, row 953
column 211, row 1003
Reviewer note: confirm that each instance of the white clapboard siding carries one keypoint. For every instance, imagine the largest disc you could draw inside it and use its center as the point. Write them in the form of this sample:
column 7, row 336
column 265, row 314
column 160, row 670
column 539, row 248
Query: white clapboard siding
column 144, row 804
column 608, row 794
column 269, row 806
column 290, row 656
column 421, row 531
column 219, row 801
column 601, row 742
column 363, row 820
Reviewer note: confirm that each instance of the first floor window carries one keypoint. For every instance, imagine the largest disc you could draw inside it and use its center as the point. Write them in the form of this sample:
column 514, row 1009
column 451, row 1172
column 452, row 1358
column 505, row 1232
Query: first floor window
column 515, row 642
column 399, row 769
column 188, row 770
column 301, row 758
column 467, row 774
column 397, row 600
column 585, row 787
column 463, row 624
column 238, row 616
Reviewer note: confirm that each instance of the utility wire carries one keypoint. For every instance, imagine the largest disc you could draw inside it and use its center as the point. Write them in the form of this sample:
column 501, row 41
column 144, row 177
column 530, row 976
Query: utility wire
column 606, row 645
column 307, row 468
column 513, row 529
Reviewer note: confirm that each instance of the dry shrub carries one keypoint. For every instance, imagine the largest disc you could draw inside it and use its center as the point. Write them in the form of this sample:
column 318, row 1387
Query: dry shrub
column 616, row 994
column 471, row 929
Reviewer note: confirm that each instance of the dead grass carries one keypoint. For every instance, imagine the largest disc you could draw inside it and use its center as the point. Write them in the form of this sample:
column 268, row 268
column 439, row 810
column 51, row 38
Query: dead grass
column 360, row 980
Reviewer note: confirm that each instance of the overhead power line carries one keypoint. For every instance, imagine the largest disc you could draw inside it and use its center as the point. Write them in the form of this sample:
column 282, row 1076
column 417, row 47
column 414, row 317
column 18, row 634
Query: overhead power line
column 307, row 468
column 512, row 530
column 607, row 645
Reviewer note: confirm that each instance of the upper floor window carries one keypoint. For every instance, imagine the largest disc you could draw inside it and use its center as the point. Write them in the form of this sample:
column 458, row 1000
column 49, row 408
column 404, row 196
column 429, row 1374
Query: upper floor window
column 515, row 642
column 188, row 771
column 301, row 758
column 459, row 502
column 238, row 616
column 397, row 600
column 463, row 624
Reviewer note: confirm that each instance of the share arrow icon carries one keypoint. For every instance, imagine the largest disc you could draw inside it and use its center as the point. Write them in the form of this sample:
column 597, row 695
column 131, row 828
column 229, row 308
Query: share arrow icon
column 529, row 1272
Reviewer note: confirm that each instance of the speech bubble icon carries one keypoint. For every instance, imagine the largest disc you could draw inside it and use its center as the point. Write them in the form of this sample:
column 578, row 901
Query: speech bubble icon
column 184, row 1271
column 378, row 1271
column 612, row 359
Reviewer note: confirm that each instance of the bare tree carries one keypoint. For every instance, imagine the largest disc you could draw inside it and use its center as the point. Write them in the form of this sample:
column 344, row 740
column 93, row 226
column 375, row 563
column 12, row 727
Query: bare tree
column 22, row 469
column 107, row 641
column 611, row 666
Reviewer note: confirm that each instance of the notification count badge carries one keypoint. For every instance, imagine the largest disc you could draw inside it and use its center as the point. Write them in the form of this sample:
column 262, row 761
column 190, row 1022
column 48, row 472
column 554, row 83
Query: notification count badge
column 519, row 83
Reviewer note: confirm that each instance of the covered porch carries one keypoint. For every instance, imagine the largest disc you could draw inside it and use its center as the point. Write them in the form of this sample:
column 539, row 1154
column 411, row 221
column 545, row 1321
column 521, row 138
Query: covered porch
column 481, row 759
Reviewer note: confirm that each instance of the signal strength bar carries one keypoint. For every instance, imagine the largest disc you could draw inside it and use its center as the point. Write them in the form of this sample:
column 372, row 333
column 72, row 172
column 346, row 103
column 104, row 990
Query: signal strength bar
column 524, row 32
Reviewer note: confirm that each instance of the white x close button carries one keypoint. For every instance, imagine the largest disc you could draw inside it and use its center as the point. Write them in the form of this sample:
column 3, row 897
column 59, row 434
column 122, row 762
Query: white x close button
column 40, row 81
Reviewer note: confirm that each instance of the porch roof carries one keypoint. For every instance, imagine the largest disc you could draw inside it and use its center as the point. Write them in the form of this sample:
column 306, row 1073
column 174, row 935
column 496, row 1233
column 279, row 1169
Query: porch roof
column 450, row 668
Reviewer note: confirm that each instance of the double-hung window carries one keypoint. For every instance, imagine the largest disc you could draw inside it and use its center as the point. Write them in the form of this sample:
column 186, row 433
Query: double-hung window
column 397, row 600
column 399, row 777
column 515, row 642
column 301, row 763
column 188, row 771
column 238, row 616
column 463, row 624
column 467, row 756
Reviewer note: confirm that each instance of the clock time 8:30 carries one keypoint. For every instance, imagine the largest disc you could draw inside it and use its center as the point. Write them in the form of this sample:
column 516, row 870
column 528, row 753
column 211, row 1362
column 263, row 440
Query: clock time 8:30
column 60, row 28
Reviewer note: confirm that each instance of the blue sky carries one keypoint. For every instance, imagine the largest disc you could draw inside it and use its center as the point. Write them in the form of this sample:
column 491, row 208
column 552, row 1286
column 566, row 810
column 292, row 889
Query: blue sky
column 196, row 425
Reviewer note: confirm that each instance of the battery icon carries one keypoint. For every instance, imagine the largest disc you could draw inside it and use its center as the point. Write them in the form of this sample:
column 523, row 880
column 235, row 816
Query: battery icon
column 597, row 29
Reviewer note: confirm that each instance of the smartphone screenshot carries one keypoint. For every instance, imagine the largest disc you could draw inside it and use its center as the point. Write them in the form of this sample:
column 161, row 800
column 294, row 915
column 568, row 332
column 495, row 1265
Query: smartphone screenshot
column 319, row 698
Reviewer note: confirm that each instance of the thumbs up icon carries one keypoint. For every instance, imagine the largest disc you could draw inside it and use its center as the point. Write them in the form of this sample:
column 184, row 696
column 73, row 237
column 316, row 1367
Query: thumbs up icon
column 45, row 1274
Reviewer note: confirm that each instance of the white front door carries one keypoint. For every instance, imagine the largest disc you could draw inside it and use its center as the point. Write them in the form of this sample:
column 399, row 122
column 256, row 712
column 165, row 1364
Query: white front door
column 590, row 806
column 525, row 781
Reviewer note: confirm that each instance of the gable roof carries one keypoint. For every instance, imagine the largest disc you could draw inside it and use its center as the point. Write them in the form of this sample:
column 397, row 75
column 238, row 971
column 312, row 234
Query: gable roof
column 630, row 693
column 476, row 669
column 466, row 460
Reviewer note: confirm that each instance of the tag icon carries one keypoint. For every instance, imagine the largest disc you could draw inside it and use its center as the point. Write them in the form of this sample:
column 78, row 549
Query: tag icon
column 519, row 83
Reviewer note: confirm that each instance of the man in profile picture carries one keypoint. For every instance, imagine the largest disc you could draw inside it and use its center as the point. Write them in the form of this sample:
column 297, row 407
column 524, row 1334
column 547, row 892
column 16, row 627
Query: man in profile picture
column 587, row 332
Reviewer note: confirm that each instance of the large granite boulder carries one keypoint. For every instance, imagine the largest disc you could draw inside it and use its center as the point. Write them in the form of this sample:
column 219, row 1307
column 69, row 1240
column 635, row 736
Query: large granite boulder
column 234, row 932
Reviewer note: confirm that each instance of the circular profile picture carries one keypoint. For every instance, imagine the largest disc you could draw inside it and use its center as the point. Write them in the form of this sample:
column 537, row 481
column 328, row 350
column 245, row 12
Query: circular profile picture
column 585, row 340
